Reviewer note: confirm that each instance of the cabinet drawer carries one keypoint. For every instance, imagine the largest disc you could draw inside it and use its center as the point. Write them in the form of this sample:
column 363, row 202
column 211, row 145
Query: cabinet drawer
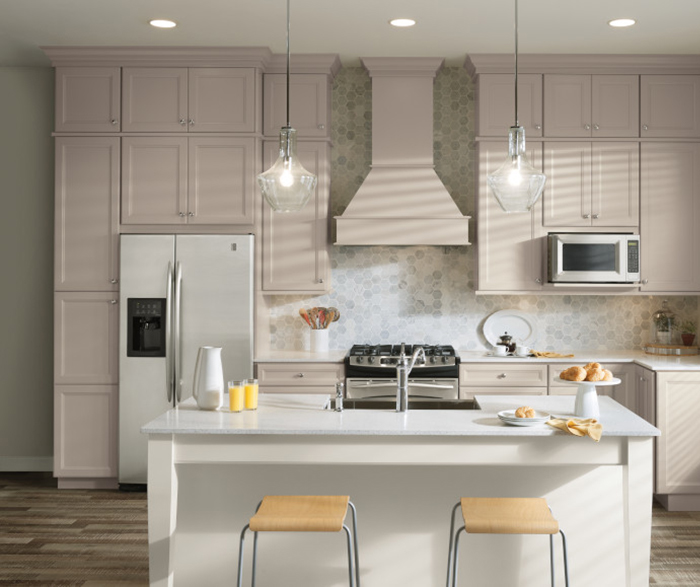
column 470, row 392
column 502, row 375
column 300, row 374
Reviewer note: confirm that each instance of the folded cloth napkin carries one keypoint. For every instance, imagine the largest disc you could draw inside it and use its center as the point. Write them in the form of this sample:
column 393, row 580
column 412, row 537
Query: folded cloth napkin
column 548, row 355
column 578, row 427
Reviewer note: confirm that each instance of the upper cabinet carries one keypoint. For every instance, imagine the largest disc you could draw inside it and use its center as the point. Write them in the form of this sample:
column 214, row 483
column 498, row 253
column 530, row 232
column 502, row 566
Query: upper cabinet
column 591, row 105
column 309, row 108
column 591, row 184
column 670, row 106
column 88, row 99
column 496, row 104
column 177, row 99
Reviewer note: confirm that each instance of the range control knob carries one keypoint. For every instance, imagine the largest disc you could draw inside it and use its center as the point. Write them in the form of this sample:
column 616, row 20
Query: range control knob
column 433, row 359
column 371, row 360
column 444, row 359
column 360, row 359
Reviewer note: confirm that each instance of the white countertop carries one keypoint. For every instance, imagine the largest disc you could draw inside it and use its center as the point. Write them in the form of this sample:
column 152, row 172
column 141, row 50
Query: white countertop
column 304, row 414
column 653, row 362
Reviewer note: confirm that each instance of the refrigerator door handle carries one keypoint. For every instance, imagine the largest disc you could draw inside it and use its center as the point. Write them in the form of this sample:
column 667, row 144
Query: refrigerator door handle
column 169, row 388
column 177, row 333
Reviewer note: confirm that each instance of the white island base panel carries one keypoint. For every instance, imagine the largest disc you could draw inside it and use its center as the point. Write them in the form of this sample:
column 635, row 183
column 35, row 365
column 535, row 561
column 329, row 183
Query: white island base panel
column 204, row 487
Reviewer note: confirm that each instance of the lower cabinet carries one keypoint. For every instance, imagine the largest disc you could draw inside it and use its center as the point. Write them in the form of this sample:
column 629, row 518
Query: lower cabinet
column 299, row 377
column 646, row 394
column 85, row 431
column 501, row 379
column 677, row 455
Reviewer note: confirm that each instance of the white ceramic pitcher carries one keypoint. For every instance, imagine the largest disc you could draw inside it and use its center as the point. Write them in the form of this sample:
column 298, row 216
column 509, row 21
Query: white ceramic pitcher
column 208, row 385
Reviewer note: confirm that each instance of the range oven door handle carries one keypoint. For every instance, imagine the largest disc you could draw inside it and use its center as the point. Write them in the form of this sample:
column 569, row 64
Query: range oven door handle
column 430, row 385
column 372, row 385
column 393, row 397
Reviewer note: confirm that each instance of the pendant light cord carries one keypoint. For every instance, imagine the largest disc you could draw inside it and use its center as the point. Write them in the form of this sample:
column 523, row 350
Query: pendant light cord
column 288, row 124
column 517, row 123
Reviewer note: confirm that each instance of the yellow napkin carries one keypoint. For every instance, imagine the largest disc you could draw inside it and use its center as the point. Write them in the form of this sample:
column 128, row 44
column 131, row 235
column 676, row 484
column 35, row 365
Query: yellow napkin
column 578, row 427
column 548, row 355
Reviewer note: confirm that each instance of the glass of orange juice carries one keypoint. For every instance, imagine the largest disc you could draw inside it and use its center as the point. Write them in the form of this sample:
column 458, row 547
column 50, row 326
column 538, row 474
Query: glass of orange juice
column 251, row 394
column 235, row 395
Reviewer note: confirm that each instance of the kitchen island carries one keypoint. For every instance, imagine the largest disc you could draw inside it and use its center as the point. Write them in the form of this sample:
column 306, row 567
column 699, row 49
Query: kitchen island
column 404, row 472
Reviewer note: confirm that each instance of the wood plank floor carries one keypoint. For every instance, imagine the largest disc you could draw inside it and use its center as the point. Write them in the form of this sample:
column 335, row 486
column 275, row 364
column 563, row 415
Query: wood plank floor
column 71, row 538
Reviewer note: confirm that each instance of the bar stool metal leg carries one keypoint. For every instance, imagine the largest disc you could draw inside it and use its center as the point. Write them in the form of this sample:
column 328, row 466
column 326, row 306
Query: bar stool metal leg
column 240, row 556
column 351, row 573
column 455, row 557
column 449, row 552
column 566, row 558
column 357, row 551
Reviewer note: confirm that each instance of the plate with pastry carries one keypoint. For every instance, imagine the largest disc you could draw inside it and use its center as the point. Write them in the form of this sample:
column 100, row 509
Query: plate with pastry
column 523, row 416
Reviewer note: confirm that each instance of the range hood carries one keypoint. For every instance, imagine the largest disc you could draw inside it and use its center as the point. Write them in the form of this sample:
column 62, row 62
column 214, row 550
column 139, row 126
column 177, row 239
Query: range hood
column 402, row 201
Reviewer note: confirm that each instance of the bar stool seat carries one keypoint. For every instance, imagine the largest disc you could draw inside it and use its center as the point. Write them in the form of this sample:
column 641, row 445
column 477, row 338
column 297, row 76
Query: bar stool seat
column 303, row 513
column 504, row 515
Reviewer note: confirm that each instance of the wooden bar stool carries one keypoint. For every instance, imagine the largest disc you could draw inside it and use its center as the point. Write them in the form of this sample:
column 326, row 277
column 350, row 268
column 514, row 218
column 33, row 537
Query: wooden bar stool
column 504, row 515
column 303, row 513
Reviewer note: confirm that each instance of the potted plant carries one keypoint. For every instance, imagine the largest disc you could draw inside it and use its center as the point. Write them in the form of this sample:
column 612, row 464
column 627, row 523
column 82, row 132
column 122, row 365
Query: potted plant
column 688, row 332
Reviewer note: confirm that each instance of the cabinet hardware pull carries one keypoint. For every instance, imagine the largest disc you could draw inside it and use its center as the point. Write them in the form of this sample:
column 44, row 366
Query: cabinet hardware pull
column 114, row 122
column 191, row 121
column 538, row 127
column 645, row 127
column 502, row 376
column 114, row 281
column 112, row 301
column 645, row 281
column 596, row 127
column 320, row 280
column 538, row 280
column 586, row 216
column 586, row 127
column 183, row 122
column 300, row 374
column 321, row 126
column 181, row 214
column 190, row 213
column 595, row 216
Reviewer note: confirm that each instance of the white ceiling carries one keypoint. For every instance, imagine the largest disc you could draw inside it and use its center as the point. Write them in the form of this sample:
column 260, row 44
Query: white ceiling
column 353, row 28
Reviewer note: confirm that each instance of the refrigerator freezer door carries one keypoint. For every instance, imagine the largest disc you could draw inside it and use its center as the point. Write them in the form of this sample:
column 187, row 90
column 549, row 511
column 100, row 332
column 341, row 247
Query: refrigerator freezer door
column 142, row 380
column 216, row 303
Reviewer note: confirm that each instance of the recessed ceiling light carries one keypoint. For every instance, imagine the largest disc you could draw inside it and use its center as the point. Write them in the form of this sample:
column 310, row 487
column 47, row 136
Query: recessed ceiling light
column 402, row 22
column 162, row 24
column 622, row 22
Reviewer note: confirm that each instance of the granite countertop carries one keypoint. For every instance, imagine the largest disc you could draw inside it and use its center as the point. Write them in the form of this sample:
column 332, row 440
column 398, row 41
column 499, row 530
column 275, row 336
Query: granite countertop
column 653, row 362
column 305, row 414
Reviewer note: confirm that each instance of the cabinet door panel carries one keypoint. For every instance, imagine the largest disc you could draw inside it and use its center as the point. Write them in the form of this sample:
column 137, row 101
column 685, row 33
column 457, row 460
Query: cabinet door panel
column 87, row 99
column 678, row 410
column 221, row 99
column 295, row 246
column 670, row 105
column 86, row 337
column 497, row 104
column 87, row 223
column 567, row 193
column 615, row 184
column 615, row 106
column 309, row 104
column 670, row 217
column 154, row 99
column 85, row 430
column 221, row 176
column 567, row 105
column 509, row 257
column 154, row 180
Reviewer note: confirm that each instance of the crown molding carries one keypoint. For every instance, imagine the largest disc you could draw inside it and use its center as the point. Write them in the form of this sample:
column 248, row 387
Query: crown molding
column 403, row 66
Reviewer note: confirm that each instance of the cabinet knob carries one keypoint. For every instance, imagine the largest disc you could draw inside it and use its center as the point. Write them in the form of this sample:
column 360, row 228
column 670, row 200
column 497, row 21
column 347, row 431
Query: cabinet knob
column 300, row 374
column 502, row 376
column 596, row 127
column 645, row 281
column 321, row 126
column 586, row 216
column 183, row 122
column 538, row 280
column 595, row 216
column 645, row 127
column 181, row 214
column 586, row 127
column 114, row 281
column 191, row 121
column 190, row 214
column 320, row 280
column 642, row 379
column 114, row 122
column 112, row 301
column 538, row 127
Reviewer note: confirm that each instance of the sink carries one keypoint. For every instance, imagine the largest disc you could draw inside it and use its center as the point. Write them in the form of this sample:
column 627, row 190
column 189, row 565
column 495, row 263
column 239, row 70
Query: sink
column 365, row 404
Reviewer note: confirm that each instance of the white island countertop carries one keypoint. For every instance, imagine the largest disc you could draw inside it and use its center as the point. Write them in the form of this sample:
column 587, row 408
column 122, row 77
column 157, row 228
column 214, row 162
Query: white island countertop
column 304, row 414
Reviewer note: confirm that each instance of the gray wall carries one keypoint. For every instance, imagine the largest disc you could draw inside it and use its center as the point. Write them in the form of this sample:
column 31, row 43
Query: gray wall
column 26, row 262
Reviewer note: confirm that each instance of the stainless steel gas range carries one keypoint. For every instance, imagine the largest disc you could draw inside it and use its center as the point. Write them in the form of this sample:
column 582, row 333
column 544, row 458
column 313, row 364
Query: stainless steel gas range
column 371, row 377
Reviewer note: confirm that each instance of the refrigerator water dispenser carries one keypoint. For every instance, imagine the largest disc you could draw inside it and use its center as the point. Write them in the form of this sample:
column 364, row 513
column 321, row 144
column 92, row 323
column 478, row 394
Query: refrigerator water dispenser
column 145, row 327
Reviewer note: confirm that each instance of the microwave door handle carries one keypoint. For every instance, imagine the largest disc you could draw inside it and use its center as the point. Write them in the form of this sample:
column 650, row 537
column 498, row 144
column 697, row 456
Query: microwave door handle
column 178, row 332
column 169, row 367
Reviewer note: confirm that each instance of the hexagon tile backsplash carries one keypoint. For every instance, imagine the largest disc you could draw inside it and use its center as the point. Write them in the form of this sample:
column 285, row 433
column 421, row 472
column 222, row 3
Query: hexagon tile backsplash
column 426, row 294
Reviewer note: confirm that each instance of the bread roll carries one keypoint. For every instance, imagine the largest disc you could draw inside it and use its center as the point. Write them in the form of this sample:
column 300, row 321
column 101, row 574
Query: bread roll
column 593, row 366
column 525, row 412
column 575, row 373
column 607, row 375
column 595, row 375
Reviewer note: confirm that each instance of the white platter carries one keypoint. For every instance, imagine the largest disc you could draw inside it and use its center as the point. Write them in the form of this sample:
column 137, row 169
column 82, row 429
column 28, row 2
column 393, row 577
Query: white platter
column 519, row 325
column 613, row 381
column 509, row 417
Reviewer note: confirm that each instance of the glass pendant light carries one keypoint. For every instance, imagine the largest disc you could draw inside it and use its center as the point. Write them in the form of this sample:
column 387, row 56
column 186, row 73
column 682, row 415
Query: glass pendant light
column 287, row 186
column 516, row 184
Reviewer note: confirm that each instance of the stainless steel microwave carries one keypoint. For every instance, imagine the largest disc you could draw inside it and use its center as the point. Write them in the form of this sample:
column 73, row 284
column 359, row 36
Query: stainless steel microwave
column 593, row 258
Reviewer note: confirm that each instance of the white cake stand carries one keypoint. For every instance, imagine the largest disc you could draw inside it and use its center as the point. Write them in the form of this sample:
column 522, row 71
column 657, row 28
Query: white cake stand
column 587, row 396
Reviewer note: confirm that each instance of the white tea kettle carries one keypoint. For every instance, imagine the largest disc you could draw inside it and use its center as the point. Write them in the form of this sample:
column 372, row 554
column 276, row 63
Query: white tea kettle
column 208, row 385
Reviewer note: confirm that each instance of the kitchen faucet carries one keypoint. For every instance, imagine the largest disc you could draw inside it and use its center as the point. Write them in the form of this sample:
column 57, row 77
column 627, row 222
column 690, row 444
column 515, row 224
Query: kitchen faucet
column 403, row 370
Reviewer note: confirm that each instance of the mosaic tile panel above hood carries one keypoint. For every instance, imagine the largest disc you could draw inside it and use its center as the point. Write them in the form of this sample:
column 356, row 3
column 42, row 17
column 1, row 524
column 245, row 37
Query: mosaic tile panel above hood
column 426, row 294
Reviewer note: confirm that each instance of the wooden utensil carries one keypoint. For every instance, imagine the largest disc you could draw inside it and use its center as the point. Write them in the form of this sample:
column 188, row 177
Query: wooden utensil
column 322, row 318
column 304, row 314
column 336, row 313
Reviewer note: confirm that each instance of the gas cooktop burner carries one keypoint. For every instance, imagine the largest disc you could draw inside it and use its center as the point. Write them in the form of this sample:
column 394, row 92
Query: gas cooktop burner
column 394, row 350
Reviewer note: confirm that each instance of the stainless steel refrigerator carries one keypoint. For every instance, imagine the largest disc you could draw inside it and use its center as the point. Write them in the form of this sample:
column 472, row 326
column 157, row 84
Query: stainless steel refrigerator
column 178, row 292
